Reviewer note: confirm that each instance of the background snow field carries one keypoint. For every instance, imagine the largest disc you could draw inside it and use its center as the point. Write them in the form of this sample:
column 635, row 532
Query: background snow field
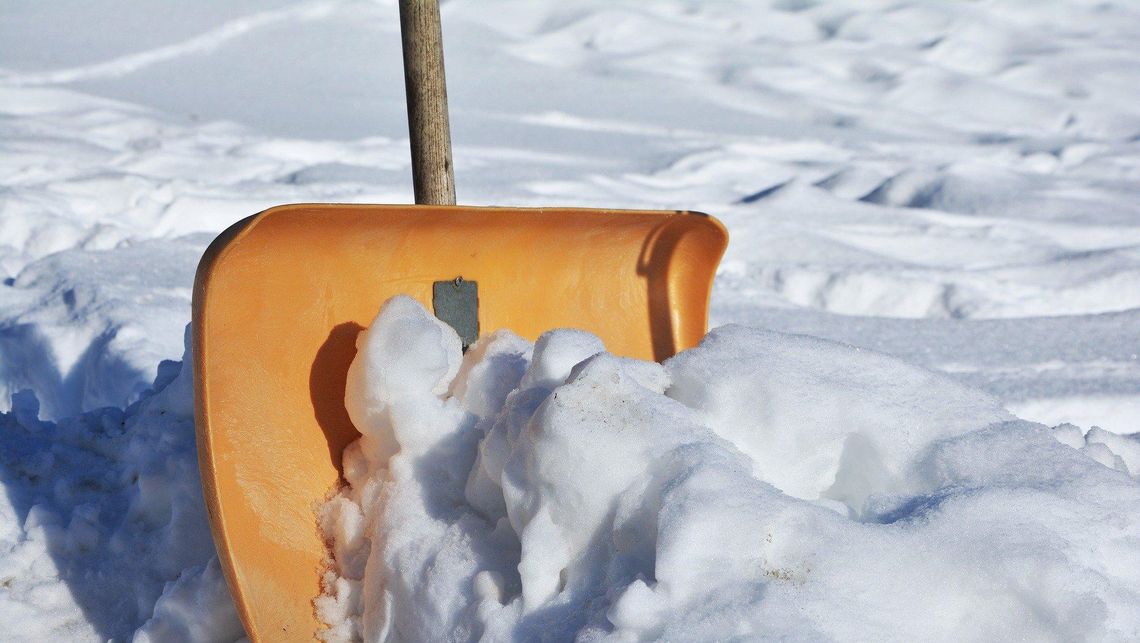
column 935, row 218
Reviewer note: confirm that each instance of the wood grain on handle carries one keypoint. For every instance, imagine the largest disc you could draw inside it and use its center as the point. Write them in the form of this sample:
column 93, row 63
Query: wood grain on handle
column 428, row 129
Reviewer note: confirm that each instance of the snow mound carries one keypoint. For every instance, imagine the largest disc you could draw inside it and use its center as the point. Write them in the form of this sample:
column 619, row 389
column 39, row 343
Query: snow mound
column 105, row 529
column 760, row 485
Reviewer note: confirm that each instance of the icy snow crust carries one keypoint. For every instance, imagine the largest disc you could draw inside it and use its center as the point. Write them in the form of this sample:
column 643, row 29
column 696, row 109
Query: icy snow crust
column 951, row 183
column 762, row 485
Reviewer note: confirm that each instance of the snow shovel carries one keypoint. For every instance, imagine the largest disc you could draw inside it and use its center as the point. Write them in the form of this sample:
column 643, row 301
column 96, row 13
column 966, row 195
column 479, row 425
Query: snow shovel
column 280, row 296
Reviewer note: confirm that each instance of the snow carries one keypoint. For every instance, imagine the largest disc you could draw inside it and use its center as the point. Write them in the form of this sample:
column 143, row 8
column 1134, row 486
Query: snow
column 105, row 527
column 760, row 485
column 953, row 185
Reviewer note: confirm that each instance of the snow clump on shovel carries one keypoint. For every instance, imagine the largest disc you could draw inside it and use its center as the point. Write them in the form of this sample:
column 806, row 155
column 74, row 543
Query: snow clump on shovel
column 761, row 485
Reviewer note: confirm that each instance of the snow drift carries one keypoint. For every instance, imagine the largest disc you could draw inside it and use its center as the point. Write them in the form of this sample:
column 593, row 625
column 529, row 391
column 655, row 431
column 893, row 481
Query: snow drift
column 760, row 485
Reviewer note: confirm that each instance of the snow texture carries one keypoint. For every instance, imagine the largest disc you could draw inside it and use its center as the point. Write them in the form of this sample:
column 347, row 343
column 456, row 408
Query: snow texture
column 762, row 485
column 952, row 184
column 105, row 529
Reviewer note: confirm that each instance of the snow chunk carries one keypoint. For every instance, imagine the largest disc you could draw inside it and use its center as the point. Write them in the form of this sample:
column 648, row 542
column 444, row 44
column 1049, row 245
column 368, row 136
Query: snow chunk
column 405, row 361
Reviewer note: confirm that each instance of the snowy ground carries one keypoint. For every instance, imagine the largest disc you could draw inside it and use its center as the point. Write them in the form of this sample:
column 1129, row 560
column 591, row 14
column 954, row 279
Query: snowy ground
column 953, row 183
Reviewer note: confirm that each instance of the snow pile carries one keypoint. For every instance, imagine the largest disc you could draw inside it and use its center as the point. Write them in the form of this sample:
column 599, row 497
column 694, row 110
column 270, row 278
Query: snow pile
column 105, row 529
column 760, row 485
column 953, row 184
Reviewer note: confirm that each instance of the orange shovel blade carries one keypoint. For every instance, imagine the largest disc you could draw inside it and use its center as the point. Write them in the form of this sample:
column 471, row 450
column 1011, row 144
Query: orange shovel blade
column 280, row 297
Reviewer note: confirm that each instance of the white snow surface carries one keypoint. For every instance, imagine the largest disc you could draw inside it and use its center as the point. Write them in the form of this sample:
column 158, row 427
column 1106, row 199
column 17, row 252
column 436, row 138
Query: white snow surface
column 762, row 485
column 955, row 185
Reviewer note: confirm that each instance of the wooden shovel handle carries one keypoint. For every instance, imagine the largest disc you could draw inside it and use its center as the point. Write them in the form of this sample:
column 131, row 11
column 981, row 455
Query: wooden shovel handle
column 430, row 135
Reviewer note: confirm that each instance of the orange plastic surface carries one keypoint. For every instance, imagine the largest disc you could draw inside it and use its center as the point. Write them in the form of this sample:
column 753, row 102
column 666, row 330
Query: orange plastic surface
column 280, row 297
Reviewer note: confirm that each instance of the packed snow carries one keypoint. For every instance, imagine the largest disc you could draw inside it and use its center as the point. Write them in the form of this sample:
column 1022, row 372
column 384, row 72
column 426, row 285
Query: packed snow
column 935, row 219
column 762, row 485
